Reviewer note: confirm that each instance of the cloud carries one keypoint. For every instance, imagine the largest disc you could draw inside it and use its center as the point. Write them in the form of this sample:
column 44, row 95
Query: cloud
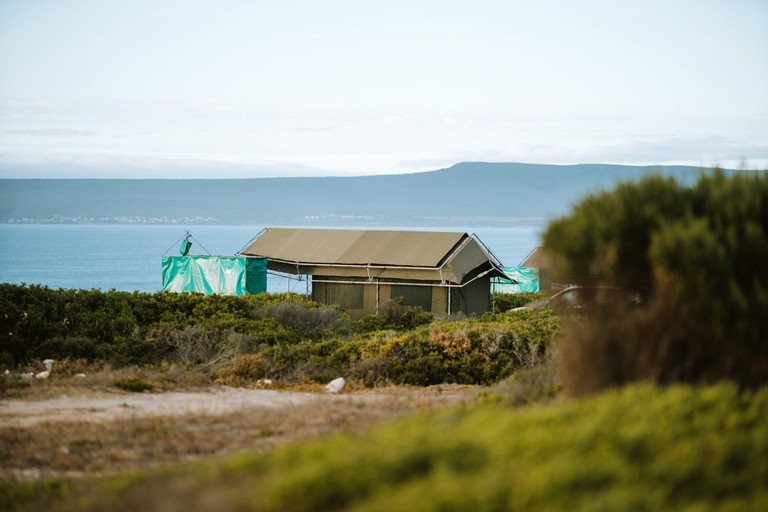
column 310, row 129
column 125, row 138
column 397, row 119
column 54, row 132
column 144, row 166
column 705, row 151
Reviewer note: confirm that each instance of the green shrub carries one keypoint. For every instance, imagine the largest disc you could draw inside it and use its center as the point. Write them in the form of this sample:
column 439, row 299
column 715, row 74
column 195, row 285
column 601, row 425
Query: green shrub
column 534, row 385
column 204, row 346
column 394, row 314
column 77, row 347
column 14, row 496
column 506, row 301
column 534, row 331
column 466, row 351
column 134, row 384
column 124, row 328
column 304, row 319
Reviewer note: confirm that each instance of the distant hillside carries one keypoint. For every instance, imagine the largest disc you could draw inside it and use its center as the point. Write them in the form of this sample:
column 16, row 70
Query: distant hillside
column 465, row 194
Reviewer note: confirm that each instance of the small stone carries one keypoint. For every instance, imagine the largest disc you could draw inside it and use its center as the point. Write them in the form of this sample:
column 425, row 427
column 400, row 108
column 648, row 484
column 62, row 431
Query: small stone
column 335, row 385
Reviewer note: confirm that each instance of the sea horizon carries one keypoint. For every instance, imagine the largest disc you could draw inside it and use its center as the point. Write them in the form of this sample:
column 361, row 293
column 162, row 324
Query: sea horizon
column 127, row 257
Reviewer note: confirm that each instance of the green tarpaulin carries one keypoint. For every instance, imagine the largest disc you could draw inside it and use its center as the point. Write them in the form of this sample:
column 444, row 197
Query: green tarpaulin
column 223, row 275
column 527, row 280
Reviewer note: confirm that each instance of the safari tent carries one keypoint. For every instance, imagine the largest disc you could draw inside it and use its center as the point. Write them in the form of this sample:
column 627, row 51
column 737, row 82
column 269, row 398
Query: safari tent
column 359, row 270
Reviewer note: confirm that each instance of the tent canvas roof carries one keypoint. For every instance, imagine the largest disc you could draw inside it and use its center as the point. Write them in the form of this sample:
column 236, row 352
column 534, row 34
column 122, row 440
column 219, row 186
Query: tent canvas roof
column 539, row 258
column 356, row 247
column 445, row 255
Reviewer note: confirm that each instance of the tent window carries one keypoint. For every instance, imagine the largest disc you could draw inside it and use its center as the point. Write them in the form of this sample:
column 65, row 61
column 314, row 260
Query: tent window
column 347, row 296
column 414, row 295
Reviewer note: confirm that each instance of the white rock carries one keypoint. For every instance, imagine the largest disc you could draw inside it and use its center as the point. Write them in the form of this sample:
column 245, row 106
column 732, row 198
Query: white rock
column 81, row 375
column 264, row 382
column 48, row 364
column 42, row 375
column 335, row 385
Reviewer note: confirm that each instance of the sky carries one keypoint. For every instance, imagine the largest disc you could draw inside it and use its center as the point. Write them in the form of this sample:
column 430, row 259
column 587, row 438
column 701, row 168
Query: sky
column 251, row 88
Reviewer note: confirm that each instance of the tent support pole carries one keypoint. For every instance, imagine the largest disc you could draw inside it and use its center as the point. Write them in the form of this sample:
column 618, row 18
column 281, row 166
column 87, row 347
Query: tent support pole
column 449, row 301
column 377, row 295
column 493, row 297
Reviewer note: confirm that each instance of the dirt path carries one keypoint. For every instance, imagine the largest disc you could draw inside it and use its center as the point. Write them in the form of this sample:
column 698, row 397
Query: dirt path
column 121, row 406
column 98, row 432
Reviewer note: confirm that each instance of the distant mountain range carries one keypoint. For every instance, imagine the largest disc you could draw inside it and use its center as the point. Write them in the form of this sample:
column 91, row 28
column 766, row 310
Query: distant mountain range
column 466, row 194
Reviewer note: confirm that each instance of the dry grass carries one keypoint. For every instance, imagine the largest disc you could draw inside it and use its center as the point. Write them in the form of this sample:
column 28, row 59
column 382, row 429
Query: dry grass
column 77, row 377
column 60, row 445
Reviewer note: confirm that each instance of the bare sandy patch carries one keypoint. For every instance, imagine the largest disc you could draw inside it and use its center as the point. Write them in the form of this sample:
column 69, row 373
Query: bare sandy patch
column 84, row 433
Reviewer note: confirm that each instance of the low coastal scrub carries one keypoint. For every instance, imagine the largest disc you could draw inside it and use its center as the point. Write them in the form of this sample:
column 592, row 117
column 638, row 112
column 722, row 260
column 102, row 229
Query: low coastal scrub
column 284, row 338
column 133, row 384
column 505, row 301
column 637, row 448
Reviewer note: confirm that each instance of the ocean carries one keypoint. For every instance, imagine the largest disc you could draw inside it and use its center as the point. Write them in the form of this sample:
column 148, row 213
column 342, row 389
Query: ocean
column 126, row 257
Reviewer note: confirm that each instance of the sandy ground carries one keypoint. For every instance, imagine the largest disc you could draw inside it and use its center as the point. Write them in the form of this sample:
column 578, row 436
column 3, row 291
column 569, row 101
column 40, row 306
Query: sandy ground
column 122, row 406
column 92, row 432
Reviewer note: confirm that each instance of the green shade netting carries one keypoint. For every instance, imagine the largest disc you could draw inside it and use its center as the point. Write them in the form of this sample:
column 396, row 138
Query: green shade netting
column 527, row 280
column 223, row 275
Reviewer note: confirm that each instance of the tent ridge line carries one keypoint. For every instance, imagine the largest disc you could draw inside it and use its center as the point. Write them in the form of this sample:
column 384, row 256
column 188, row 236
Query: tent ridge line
column 487, row 250
column 405, row 283
column 454, row 252
column 349, row 265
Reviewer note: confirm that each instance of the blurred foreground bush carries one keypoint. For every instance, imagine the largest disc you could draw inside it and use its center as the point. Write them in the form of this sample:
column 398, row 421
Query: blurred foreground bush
column 638, row 448
column 703, row 249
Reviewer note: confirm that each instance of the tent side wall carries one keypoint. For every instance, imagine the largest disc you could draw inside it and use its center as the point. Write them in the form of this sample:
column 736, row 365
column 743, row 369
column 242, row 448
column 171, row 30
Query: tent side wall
column 429, row 296
column 359, row 299
column 356, row 299
column 472, row 299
